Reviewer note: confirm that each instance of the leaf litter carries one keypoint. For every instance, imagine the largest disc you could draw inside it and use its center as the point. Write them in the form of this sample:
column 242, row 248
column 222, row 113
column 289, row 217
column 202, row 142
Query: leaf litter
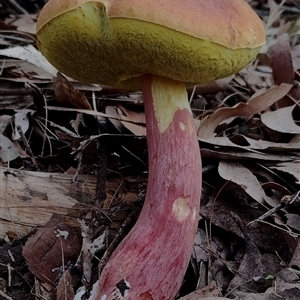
column 248, row 130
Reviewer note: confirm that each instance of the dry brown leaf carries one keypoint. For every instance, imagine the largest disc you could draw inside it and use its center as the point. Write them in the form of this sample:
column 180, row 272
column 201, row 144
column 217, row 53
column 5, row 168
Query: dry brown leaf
column 135, row 119
column 293, row 221
column 65, row 288
column 79, row 121
column 288, row 294
column 276, row 187
column 258, row 102
column 27, row 70
column 211, row 87
column 114, row 118
column 281, row 61
column 204, row 293
column 30, row 54
column 251, row 267
column 87, row 111
column 21, row 121
column 67, row 95
column 243, row 155
column 119, row 117
column 292, row 168
column 237, row 173
column 239, row 141
column 8, row 150
column 264, row 145
column 275, row 12
column 50, row 244
column 282, row 66
column 281, row 120
column 295, row 52
column 23, row 23
column 4, row 121
column 206, row 298
column 267, row 145
column 295, row 261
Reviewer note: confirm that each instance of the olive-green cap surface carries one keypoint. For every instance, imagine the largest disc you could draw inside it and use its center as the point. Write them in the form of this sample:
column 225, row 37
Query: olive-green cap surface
column 115, row 42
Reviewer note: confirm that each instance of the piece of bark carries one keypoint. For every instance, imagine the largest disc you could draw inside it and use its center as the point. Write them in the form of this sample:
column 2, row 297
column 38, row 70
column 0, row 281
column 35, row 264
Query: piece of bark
column 28, row 199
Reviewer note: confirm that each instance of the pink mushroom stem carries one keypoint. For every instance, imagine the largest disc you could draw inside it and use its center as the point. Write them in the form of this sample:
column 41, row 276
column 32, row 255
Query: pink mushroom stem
column 151, row 261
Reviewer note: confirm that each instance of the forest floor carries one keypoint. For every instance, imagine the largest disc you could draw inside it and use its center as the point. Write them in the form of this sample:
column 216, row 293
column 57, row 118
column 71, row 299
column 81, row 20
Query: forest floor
column 73, row 160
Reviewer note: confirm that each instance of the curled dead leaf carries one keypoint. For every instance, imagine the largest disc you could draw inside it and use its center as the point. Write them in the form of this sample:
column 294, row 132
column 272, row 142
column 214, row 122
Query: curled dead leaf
column 257, row 103
column 281, row 120
column 237, row 173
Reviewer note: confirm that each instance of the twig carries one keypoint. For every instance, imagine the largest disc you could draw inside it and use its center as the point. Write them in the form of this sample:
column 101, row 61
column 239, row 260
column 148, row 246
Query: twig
column 28, row 148
column 18, row 7
column 287, row 201
column 133, row 155
column 101, row 173
column 2, row 294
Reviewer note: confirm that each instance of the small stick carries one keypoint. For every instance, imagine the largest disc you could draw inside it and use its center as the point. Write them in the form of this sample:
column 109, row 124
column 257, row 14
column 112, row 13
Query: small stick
column 18, row 7
column 101, row 173
column 285, row 202
column 28, row 148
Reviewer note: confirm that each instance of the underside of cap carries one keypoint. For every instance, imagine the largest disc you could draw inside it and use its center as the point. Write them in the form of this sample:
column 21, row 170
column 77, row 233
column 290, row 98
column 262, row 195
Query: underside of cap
column 86, row 44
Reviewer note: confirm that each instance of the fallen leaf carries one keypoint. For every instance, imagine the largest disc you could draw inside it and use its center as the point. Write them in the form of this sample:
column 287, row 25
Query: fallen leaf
column 296, row 57
column 65, row 288
column 21, row 120
column 242, row 155
column 135, row 118
column 267, row 145
column 79, row 121
column 251, row 266
column 292, row 168
column 30, row 54
column 25, row 23
column 4, row 121
column 263, row 235
column 204, row 293
column 243, row 142
column 237, row 173
column 288, row 294
column 276, row 187
column 114, row 118
column 8, row 150
column 281, row 120
column 45, row 249
column 68, row 96
column 293, row 221
column 281, row 61
column 258, row 102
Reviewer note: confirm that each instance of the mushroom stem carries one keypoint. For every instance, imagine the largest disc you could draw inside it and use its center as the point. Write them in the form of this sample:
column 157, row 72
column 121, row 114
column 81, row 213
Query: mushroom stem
column 151, row 261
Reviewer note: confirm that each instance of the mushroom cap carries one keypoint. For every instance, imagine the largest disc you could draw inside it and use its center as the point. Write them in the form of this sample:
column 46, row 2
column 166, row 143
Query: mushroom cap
column 114, row 42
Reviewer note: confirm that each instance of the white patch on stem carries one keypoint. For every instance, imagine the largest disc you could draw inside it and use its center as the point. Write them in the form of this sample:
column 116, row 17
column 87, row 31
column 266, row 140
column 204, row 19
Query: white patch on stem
column 181, row 209
column 183, row 126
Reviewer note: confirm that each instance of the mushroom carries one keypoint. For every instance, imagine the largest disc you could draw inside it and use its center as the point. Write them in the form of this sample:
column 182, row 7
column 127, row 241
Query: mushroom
column 159, row 47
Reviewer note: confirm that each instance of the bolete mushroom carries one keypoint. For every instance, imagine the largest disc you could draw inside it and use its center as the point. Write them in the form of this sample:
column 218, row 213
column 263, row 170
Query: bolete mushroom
column 158, row 46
